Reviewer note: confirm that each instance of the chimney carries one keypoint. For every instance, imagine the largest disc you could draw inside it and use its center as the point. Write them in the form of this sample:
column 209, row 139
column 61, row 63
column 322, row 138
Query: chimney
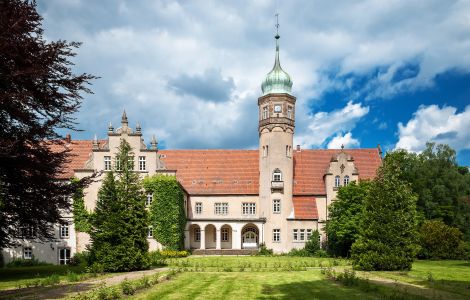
column 298, row 147
column 68, row 138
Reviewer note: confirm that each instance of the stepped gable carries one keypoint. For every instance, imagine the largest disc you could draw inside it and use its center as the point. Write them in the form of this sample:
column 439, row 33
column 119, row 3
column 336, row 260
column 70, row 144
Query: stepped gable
column 227, row 172
column 310, row 167
column 305, row 208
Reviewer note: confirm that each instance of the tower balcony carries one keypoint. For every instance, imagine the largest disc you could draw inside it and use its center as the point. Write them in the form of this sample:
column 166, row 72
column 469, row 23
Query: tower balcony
column 277, row 186
column 277, row 120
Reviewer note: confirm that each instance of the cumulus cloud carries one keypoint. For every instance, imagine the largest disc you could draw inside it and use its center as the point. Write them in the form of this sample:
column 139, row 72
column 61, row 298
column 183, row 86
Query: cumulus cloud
column 324, row 125
column 432, row 123
column 343, row 140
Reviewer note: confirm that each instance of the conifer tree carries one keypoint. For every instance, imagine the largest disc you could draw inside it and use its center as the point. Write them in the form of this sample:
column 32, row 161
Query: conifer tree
column 119, row 234
column 387, row 235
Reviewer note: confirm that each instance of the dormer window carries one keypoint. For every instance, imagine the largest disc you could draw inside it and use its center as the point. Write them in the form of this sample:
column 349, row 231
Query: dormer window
column 346, row 180
column 265, row 112
column 277, row 175
column 337, row 181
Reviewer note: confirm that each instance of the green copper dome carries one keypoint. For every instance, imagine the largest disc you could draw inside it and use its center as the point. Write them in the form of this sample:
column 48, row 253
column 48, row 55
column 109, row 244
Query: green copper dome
column 277, row 81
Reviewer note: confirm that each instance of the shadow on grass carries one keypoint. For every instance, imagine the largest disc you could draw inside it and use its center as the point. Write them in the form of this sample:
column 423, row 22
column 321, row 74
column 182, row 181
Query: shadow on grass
column 48, row 292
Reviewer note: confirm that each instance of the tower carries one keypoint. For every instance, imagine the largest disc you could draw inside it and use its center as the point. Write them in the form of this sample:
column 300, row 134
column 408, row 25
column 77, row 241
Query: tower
column 276, row 130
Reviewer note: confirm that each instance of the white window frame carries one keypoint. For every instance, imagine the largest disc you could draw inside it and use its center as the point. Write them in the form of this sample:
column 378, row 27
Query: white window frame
column 221, row 208
column 149, row 199
column 117, row 164
column 27, row 253
column 107, row 163
column 309, row 234
column 28, row 232
column 65, row 260
column 295, row 235
column 150, row 232
column 276, row 235
column 198, row 208
column 64, row 231
column 346, row 180
column 337, row 181
column 302, row 235
column 224, row 235
column 265, row 113
column 142, row 163
column 276, row 206
column 248, row 208
column 277, row 175
column 276, row 110
column 197, row 234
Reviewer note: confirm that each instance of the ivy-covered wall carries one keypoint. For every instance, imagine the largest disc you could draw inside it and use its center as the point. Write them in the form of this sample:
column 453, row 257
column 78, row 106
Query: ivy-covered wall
column 81, row 217
column 167, row 214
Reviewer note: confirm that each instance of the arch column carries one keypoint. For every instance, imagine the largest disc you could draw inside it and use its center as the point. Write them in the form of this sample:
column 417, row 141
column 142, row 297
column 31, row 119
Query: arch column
column 236, row 236
column 187, row 239
column 203, row 239
column 217, row 238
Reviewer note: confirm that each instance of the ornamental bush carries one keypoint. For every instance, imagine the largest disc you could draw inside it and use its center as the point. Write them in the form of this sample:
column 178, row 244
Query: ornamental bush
column 167, row 214
column 387, row 233
column 81, row 217
column 439, row 241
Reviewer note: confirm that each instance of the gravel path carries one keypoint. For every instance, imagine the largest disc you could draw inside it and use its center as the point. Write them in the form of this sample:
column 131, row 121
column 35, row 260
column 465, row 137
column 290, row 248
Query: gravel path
column 65, row 290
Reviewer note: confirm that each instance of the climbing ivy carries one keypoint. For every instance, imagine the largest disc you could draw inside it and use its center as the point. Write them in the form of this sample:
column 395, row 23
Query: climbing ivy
column 81, row 217
column 167, row 211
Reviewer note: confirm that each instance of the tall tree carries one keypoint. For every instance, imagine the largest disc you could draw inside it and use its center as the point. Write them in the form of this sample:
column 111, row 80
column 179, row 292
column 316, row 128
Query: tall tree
column 344, row 217
column 387, row 235
column 38, row 95
column 119, row 223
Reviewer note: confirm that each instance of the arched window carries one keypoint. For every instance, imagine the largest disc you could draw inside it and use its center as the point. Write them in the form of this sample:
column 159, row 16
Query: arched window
column 346, row 180
column 277, row 175
column 337, row 181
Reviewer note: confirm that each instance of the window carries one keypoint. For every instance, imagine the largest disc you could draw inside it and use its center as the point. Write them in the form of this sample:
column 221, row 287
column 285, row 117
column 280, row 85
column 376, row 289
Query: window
column 302, row 235
column 118, row 164
column 198, row 208
column 64, row 256
column 149, row 199
column 221, row 208
column 276, row 235
column 337, row 181
column 289, row 112
column 277, row 206
column 142, row 165
column 309, row 233
column 265, row 151
column 28, row 232
column 150, row 232
column 224, row 234
column 64, row 230
column 265, row 112
column 107, row 163
column 277, row 108
column 249, row 208
column 277, row 175
column 346, row 180
column 28, row 253
column 197, row 234
column 288, row 150
column 296, row 234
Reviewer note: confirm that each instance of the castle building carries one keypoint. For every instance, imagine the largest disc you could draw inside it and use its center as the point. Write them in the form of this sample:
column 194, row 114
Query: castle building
column 234, row 199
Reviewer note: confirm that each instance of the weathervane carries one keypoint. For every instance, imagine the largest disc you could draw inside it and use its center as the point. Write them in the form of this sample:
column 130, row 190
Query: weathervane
column 277, row 26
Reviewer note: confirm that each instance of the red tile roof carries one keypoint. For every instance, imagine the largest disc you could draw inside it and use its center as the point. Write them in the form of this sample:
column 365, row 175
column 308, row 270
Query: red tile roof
column 305, row 207
column 215, row 171
column 236, row 172
column 310, row 166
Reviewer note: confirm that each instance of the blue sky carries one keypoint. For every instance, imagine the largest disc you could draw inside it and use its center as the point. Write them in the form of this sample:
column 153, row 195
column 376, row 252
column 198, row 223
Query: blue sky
column 394, row 73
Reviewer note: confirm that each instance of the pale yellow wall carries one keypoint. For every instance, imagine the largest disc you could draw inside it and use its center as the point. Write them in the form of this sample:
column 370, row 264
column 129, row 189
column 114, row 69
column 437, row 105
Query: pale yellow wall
column 234, row 207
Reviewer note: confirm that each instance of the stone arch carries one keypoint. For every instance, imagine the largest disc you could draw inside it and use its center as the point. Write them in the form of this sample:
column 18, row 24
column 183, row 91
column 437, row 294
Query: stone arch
column 226, row 238
column 250, row 236
column 210, row 233
column 195, row 236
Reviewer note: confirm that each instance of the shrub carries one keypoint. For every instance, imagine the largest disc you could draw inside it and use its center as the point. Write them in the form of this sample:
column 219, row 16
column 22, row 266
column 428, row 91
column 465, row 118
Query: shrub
column 127, row 287
column 81, row 259
column 264, row 251
column 299, row 252
column 321, row 253
column 20, row 262
column 464, row 250
column 313, row 243
column 439, row 241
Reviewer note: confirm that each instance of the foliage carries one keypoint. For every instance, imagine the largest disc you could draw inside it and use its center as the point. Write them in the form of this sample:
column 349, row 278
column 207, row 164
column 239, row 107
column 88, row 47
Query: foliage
column 81, row 216
column 263, row 250
column 312, row 246
column 81, row 259
column 167, row 213
column 387, row 238
column 39, row 94
column 20, row 262
column 342, row 227
column 119, row 234
column 438, row 240
column 299, row 252
column 170, row 253
column 443, row 188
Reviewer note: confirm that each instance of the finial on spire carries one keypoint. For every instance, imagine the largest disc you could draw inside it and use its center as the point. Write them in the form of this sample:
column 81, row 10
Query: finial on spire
column 95, row 143
column 342, row 146
column 124, row 118
column 277, row 27
column 153, row 143
column 110, row 127
column 138, row 128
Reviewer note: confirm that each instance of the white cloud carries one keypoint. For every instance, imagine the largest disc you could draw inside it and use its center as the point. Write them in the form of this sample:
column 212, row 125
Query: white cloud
column 441, row 125
column 323, row 125
column 343, row 140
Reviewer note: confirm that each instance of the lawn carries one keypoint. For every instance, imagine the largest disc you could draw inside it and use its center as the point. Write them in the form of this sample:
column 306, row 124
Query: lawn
column 13, row 277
